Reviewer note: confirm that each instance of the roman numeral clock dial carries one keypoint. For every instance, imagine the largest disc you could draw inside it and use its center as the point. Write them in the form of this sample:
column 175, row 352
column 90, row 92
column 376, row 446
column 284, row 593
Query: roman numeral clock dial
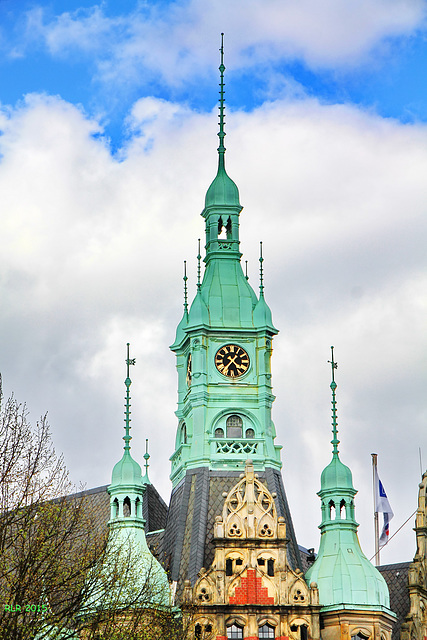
column 232, row 361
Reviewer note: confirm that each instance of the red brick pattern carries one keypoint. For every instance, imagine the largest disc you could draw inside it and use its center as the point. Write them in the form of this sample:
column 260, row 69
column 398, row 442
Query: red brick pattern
column 252, row 638
column 251, row 591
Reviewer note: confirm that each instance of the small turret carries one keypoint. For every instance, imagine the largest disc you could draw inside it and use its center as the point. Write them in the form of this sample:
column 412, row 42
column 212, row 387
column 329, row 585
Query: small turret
column 345, row 577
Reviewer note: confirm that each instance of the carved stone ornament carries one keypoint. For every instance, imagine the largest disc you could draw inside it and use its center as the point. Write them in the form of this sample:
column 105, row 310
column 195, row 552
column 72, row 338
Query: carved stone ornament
column 249, row 511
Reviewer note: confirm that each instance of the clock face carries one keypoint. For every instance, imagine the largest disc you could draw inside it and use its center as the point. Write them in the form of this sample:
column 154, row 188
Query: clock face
column 232, row 361
column 188, row 376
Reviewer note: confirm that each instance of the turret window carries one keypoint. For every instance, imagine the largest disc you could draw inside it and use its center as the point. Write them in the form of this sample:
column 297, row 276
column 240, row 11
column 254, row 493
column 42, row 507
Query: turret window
column 184, row 434
column 224, row 228
column 234, row 426
column 266, row 631
column 219, row 433
column 126, row 507
column 250, row 433
column 235, row 631
column 270, row 567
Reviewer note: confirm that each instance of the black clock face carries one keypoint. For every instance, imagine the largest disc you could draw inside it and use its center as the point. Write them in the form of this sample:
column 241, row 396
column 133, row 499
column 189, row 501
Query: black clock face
column 188, row 376
column 232, row 361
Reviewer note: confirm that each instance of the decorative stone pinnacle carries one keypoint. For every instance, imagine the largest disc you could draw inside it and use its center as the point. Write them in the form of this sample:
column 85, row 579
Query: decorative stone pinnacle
column 335, row 442
column 127, row 437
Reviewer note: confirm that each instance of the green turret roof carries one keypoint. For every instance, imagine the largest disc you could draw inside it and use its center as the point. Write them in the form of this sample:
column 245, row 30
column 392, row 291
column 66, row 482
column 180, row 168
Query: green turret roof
column 345, row 577
column 223, row 190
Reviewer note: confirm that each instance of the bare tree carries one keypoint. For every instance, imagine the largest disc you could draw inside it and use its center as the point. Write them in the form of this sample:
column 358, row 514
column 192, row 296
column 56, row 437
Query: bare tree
column 59, row 576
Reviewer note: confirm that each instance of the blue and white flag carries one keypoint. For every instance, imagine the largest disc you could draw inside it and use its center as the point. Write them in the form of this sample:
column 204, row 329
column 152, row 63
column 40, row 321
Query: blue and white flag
column 382, row 505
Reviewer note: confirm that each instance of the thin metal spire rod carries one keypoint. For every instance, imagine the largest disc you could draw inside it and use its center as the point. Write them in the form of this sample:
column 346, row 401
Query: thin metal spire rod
column 185, row 288
column 146, row 457
column 261, row 272
column 221, row 133
column 335, row 442
column 127, row 437
column 199, row 257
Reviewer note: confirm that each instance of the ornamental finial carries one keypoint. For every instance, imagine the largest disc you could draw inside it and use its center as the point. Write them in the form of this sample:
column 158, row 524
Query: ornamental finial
column 221, row 134
column 127, row 437
column 335, row 442
column 145, row 479
column 199, row 257
column 261, row 272
column 185, row 288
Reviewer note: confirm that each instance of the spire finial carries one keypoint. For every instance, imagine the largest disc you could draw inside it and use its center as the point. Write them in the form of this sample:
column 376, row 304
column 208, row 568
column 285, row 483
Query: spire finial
column 127, row 437
column 335, row 442
column 185, row 288
column 221, row 134
column 199, row 257
column 261, row 272
column 146, row 458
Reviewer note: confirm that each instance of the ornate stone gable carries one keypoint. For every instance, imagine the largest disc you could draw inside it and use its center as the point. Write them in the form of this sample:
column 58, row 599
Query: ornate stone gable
column 250, row 588
column 415, row 625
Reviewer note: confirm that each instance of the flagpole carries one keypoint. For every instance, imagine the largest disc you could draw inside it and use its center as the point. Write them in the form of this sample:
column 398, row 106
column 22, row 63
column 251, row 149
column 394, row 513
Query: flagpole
column 376, row 527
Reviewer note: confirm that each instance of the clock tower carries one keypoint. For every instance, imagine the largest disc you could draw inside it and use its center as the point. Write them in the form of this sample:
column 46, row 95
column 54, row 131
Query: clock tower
column 223, row 350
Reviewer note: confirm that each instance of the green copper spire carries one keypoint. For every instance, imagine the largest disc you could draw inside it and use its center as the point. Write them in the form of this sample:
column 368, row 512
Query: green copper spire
column 225, row 316
column 223, row 193
column 127, row 471
column 126, row 536
column 345, row 577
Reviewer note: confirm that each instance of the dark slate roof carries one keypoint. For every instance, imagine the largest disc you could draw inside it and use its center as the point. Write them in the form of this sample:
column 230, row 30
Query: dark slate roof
column 154, row 508
column 396, row 576
column 307, row 557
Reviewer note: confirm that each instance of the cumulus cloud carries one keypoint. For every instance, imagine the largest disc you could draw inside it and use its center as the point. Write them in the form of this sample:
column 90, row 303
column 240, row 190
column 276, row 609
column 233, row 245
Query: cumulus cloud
column 92, row 248
column 331, row 34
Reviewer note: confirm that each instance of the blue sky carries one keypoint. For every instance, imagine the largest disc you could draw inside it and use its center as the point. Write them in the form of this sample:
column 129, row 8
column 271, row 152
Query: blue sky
column 69, row 49
column 108, row 121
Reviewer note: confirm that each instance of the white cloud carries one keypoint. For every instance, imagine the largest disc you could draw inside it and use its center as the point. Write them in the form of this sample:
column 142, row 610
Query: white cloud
column 92, row 248
column 331, row 34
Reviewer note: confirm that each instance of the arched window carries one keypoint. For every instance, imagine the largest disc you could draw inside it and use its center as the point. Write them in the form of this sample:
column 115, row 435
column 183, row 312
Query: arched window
column 219, row 433
column 183, row 433
column 234, row 426
column 302, row 630
column 250, row 433
column 200, row 632
column 235, row 631
column 266, row 631
column 360, row 636
column 126, row 507
column 331, row 510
